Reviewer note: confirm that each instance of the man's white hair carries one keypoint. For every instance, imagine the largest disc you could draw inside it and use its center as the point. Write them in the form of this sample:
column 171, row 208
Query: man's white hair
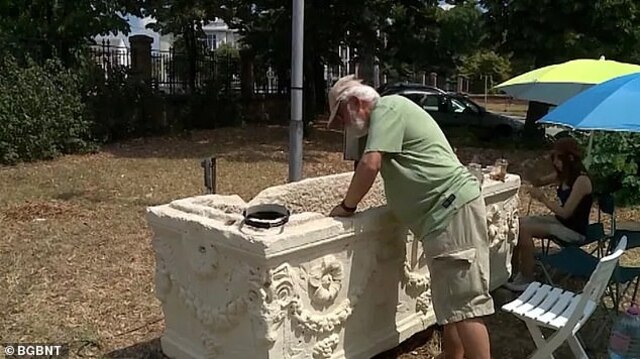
column 362, row 92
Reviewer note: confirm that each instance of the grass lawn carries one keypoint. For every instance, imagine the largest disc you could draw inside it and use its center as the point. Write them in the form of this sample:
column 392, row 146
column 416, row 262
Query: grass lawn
column 77, row 264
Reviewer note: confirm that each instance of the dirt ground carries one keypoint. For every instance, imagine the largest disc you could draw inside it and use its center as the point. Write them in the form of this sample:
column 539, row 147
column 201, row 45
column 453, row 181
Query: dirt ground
column 77, row 264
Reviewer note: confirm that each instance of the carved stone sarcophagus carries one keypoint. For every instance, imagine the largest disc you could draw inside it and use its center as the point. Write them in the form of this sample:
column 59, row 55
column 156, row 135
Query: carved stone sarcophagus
column 315, row 287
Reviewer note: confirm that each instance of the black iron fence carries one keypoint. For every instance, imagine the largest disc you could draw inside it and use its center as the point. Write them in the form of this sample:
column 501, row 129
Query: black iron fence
column 175, row 72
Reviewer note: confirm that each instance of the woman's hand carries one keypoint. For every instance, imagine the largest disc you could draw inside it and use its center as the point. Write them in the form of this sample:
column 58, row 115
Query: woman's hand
column 537, row 194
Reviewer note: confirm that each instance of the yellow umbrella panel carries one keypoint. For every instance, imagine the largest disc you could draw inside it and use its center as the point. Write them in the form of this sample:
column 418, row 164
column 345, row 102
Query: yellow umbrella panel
column 555, row 84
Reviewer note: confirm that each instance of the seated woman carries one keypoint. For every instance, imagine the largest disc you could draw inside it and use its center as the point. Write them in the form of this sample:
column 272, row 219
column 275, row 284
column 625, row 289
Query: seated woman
column 570, row 217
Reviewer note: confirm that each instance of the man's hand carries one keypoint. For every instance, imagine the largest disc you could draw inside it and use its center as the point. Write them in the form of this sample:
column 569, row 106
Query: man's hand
column 338, row 211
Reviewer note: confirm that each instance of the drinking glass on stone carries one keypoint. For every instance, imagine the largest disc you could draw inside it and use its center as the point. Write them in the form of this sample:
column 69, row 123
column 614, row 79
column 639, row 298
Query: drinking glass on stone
column 499, row 171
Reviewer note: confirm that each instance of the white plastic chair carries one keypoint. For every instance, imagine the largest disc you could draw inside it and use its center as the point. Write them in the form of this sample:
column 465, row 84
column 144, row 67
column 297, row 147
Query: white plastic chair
column 541, row 305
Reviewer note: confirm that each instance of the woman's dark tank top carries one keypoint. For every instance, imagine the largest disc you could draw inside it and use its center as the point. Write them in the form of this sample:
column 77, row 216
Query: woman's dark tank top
column 579, row 220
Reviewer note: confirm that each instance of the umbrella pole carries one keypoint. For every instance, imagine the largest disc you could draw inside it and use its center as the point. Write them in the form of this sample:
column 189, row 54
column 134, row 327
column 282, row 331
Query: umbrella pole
column 587, row 160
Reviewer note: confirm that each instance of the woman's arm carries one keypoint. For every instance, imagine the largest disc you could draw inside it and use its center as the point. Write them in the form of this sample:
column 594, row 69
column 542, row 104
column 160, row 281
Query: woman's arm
column 581, row 188
column 545, row 180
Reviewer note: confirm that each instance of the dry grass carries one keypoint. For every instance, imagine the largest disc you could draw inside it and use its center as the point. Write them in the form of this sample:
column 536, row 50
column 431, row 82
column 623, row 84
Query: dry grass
column 77, row 265
column 506, row 107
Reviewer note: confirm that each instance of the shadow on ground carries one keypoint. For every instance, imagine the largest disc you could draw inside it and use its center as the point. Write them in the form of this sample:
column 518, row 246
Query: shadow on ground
column 251, row 144
column 146, row 350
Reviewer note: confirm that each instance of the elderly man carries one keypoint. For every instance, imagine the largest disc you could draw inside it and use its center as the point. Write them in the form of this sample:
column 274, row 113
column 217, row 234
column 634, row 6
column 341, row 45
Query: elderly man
column 429, row 190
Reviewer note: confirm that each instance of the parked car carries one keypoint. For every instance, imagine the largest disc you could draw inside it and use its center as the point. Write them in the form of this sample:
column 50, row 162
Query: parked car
column 397, row 87
column 457, row 110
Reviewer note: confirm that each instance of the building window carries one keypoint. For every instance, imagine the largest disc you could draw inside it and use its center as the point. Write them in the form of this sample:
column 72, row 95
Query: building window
column 211, row 42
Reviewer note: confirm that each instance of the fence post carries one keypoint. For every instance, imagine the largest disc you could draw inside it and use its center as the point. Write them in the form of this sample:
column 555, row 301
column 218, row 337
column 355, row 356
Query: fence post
column 141, row 55
column 433, row 79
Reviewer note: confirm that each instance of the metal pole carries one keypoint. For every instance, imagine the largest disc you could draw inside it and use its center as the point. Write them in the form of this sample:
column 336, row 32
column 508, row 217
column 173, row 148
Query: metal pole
column 295, row 129
column 209, row 165
column 486, row 78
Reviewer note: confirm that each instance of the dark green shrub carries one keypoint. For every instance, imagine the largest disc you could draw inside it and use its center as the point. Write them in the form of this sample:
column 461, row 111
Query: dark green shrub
column 615, row 165
column 121, row 104
column 41, row 112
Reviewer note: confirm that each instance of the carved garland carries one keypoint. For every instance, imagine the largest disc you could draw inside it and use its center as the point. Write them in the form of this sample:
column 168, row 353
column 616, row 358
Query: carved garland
column 218, row 319
column 324, row 348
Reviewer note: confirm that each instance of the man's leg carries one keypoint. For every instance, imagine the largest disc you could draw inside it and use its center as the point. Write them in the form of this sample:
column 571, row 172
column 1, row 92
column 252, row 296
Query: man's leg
column 460, row 291
column 451, row 344
column 474, row 337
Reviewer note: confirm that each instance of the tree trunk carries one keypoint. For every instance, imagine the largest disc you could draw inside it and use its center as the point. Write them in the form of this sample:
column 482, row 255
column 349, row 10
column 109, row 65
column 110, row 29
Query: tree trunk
column 192, row 53
column 536, row 111
column 246, row 74
column 320, row 86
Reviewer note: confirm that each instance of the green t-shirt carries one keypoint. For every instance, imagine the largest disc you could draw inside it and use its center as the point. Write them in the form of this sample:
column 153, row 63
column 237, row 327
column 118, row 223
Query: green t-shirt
column 424, row 181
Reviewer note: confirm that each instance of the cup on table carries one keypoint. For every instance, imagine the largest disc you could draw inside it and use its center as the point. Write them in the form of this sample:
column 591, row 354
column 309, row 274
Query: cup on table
column 499, row 172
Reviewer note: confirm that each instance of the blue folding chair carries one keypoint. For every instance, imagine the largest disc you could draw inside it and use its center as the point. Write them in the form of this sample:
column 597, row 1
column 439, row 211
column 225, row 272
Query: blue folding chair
column 625, row 276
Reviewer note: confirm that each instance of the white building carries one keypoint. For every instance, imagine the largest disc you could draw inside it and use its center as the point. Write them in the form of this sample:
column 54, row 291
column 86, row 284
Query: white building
column 216, row 34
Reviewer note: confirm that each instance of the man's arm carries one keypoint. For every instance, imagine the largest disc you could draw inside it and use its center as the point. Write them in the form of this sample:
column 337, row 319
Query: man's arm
column 363, row 178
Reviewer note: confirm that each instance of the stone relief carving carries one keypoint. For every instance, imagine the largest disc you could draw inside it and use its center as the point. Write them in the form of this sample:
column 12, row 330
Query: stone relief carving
column 502, row 222
column 163, row 280
column 324, row 348
column 211, row 345
column 325, row 281
column 415, row 282
column 164, row 260
column 222, row 318
column 216, row 320
column 201, row 255
column 271, row 301
column 423, row 302
column 514, row 222
column 278, row 298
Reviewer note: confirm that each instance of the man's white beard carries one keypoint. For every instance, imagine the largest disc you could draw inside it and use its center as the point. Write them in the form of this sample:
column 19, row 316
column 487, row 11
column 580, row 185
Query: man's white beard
column 358, row 126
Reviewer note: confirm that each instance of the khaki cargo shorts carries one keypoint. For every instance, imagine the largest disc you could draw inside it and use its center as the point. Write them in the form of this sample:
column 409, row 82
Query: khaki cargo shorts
column 458, row 261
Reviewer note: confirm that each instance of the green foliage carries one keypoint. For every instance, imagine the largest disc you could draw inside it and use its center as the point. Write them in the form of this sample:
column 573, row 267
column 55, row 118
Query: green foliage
column 44, row 29
column 41, row 112
column 551, row 31
column 121, row 104
column 486, row 63
column 615, row 165
column 227, row 65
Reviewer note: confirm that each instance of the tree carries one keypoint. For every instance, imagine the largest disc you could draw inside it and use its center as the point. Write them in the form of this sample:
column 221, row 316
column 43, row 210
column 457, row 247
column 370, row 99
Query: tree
column 265, row 26
column 424, row 37
column 461, row 34
column 484, row 64
column 43, row 29
column 551, row 31
column 184, row 19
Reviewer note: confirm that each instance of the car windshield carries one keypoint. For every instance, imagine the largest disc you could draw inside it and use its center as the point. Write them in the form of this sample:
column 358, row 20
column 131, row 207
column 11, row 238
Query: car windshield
column 460, row 103
column 457, row 106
